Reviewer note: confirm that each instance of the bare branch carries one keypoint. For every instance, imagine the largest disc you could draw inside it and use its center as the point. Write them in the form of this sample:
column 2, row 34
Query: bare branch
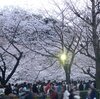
column 86, row 71
column 8, row 52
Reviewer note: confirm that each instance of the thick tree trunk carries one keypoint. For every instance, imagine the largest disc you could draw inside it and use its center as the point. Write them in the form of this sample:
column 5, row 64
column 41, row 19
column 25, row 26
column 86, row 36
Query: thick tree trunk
column 67, row 77
column 67, row 72
column 98, row 74
column 96, row 44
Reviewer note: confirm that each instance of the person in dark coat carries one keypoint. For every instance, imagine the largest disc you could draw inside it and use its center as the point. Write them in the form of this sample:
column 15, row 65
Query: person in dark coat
column 35, row 89
column 81, row 87
column 93, row 93
column 29, row 95
column 71, row 96
column 8, row 89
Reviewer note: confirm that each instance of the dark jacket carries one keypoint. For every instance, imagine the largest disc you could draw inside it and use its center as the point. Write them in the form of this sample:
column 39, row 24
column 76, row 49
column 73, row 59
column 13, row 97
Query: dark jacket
column 29, row 95
column 8, row 90
column 35, row 89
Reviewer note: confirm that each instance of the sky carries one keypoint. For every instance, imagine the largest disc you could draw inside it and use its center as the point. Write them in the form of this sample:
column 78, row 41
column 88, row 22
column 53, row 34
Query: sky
column 26, row 4
column 34, row 5
column 43, row 7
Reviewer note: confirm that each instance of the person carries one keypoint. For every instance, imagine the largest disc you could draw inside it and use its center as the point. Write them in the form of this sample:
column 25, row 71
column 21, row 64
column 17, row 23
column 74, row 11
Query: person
column 8, row 89
column 87, row 85
column 48, row 86
column 35, row 89
column 53, row 94
column 66, row 94
column 29, row 95
column 71, row 96
column 42, row 93
column 60, row 90
column 91, row 93
column 81, row 87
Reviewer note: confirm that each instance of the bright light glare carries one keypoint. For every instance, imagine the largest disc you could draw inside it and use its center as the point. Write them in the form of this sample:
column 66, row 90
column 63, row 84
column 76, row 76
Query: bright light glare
column 63, row 57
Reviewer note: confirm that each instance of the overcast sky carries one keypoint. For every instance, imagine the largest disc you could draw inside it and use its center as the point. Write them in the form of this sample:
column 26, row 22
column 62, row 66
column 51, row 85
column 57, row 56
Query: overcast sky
column 27, row 4
column 36, row 6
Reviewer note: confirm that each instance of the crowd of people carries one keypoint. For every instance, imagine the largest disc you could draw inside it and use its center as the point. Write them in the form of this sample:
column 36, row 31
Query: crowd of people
column 52, row 90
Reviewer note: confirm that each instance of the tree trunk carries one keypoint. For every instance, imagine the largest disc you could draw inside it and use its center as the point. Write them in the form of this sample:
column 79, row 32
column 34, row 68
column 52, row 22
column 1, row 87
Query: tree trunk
column 96, row 45
column 14, row 69
column 3, row 82
column 67, row 72
column 67, row 77
column 98, row 74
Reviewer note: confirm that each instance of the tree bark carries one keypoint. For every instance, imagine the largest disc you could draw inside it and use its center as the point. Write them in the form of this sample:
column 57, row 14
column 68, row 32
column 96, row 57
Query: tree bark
column 15, row 67
column 98, row 74
column 96, row 45
column 67, row 73
column 3, row 79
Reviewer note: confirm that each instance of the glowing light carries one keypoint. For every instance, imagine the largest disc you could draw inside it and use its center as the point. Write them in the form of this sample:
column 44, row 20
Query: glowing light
column 63, row 57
